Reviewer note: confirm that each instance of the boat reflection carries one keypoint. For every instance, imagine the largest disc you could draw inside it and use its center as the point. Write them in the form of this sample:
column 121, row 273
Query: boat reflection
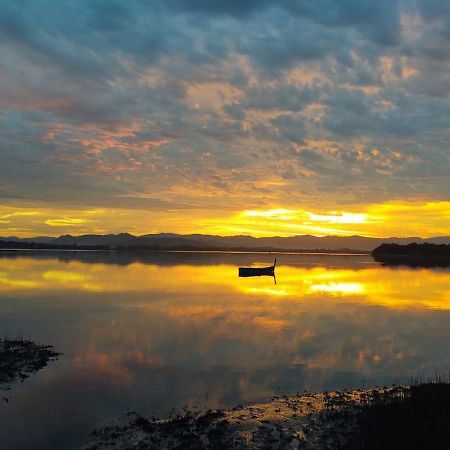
column 370, row 284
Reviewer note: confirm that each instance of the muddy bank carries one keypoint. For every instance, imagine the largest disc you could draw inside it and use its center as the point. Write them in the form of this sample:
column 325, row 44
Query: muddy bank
column 19, row 358
column 329, row 420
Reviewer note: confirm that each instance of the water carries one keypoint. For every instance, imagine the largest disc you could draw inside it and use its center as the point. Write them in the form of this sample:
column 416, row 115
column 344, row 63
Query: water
column 153, row 332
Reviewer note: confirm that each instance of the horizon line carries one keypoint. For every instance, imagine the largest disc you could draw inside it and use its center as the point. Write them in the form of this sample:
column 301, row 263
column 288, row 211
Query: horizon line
column 225, row 236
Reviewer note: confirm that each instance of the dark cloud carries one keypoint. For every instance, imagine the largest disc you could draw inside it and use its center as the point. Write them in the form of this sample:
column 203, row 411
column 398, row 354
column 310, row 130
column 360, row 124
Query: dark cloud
column 235, row 8
column 380, row 19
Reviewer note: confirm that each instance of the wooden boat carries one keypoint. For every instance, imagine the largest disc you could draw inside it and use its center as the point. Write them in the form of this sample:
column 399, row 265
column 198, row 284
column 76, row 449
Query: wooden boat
column 258, row 271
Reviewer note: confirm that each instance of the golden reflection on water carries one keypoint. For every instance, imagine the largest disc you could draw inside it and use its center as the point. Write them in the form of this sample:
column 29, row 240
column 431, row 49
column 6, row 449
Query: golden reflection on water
column 400, row 288
column 150, row 337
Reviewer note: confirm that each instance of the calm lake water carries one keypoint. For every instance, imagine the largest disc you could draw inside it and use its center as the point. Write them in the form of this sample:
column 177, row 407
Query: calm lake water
column 154, row 332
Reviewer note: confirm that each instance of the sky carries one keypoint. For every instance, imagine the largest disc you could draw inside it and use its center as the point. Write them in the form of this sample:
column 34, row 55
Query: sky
column 261, row 117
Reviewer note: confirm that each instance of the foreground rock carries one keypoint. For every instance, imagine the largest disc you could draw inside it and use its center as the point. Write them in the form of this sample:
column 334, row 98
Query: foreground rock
column 19, row 358
column 308, row 421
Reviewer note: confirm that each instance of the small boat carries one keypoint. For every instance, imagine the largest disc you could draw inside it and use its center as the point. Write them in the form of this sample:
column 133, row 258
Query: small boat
column 258, row 271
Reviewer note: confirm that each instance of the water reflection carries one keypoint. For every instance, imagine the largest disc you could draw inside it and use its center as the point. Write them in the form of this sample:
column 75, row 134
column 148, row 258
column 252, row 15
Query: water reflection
column 150, row 336
column 390, row 287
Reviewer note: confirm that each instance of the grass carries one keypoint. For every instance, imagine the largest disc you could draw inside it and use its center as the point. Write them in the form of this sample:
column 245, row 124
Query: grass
column 414, row 418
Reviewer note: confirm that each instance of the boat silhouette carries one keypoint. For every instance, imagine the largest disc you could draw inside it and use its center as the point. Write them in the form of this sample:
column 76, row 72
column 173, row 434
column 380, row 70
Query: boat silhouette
column 258, row 271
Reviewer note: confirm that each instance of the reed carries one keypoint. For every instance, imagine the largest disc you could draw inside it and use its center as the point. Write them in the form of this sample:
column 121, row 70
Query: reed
column 416, row 417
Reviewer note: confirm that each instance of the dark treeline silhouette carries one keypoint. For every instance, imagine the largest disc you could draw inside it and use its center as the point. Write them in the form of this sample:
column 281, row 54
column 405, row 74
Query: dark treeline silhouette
column 17, row 245
column 413, row 254
column 163, row 241
column 21, row 245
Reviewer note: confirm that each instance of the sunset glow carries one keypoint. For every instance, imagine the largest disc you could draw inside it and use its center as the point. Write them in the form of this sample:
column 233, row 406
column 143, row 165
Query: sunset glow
column 209, row 203
column 378, row 220
column 265, row 133
column 294, row 284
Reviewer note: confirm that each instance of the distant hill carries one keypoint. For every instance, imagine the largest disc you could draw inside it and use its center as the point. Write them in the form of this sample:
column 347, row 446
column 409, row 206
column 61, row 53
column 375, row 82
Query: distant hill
column 170, row 241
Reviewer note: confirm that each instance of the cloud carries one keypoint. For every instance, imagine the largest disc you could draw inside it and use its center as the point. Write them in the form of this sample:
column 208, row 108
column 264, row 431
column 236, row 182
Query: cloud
column 67, row 222
column 198, row 104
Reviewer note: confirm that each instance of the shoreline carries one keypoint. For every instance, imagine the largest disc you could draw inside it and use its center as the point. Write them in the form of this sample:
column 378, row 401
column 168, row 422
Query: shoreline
column 304, row 421
column 233, row 252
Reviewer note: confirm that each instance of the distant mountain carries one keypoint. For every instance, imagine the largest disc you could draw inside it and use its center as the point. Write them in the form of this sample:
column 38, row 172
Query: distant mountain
column 200, row 241
column 109, row 240
column 37, row 239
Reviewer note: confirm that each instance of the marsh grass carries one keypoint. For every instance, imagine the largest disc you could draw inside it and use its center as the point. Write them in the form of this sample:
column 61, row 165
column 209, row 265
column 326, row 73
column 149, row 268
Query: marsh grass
column 417, row 417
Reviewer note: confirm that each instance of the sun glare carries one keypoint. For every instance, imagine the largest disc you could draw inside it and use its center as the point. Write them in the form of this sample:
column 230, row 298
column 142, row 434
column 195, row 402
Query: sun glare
column 374, row 220
column 338, row 217
column 338, row 288
column 282, row 214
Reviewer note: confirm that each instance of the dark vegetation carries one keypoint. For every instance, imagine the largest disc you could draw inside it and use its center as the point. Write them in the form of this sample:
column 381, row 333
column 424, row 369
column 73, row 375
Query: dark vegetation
column 414, row 418
column 413, row 254
column 412, row 249
column 18, row 245
column 20, row 357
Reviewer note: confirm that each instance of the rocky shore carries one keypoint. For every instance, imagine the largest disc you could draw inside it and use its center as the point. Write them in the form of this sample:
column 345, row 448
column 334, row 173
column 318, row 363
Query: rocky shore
column 327, row 420
column 19, row 358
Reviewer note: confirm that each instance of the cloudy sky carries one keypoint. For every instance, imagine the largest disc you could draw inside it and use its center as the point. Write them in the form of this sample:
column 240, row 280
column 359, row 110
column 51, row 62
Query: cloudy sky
column 228, row 116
